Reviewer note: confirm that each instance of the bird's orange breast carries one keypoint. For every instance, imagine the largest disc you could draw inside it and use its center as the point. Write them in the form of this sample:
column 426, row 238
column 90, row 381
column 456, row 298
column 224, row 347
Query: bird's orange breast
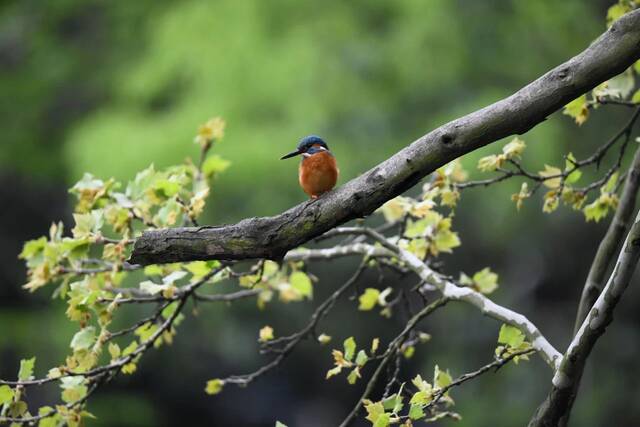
column 318, row 173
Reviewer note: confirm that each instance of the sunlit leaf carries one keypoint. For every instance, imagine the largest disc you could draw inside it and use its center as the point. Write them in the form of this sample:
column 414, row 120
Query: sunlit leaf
column 577, row 109
column 26, row 369
column 368, row 299
column 214, row 386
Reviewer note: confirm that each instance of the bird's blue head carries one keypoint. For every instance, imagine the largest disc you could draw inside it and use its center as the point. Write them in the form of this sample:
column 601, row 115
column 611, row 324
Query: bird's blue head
column 308, row 145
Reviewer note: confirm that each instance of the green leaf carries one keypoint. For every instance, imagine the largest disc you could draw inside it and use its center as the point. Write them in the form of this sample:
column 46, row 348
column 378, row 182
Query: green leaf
column 83, row 339
column 361, row 358
column 349, row 348
column 636, row 97
column 153, row 270
column 574, row 176
column 6, row 394
column 551, row 171
column 166, row 188
column 599, row 208
column 265, row 334
column 446, row 240
column 74, row 388
column 485, row 281
column 393, row 403
column 577, row 109
column 514, row 148
column 198, row 269
column 383, row 420
column 510, row 336
column 279, row 424
column 368, row 299
column 214, row 164
column 416, row 412
column 33, row 248
column 87, row 224
column 353, row 375
column 416, row 228
column 441, row 379
column 146, row 331
column 421, row 397
column 491, row 163
column 374, row 410
column 611, row 184
column 302, row 283
column 114, row 350
column 214, row 386
column 26, row 369
column 395, row 209
column 133, row 346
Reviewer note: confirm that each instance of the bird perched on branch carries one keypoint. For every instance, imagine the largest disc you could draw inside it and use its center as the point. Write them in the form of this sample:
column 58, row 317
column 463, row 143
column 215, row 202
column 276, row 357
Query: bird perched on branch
column 318, row 170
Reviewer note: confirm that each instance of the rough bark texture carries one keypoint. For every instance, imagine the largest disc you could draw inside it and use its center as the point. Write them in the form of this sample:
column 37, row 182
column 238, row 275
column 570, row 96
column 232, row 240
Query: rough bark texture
column 272, row 237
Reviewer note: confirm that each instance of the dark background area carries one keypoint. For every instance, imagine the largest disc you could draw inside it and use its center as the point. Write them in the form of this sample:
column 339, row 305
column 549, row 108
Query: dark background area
column 110, row 87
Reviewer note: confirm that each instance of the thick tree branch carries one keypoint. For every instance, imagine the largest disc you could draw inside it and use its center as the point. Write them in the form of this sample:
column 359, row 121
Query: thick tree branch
column 272, row 237
column 555, row 410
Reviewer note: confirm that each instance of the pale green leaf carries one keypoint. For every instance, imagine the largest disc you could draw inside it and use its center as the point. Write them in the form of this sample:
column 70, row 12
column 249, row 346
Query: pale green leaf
column 301, row 283
column 368, row 299
column 511, row 336
column 6, row 394
column 83, row 339
column 349, row 348
column 26, row 369
column 214, row 386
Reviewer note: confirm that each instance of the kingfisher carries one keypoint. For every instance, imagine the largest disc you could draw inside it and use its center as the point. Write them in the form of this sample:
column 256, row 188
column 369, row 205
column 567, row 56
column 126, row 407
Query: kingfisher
column 318, row 171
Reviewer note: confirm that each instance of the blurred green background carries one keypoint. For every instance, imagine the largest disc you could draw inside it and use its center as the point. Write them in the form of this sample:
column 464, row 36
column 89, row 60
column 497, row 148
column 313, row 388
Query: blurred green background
column 111, row 87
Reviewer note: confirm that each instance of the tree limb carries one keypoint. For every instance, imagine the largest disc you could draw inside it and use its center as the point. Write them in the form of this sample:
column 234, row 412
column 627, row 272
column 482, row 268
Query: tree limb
column 272, row 237
column 555, row 410
column 610, row 242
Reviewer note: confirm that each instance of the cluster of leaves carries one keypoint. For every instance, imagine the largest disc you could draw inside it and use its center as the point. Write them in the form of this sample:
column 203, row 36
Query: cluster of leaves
column 512, row 341
column 619, row 88
column 423, row 396
column 425, row 231
column 289, row 282
column 560, row 183
column 88, row 270
column 350, row 359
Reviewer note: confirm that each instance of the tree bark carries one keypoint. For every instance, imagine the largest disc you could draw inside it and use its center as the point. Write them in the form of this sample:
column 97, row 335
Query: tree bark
column 272, row 237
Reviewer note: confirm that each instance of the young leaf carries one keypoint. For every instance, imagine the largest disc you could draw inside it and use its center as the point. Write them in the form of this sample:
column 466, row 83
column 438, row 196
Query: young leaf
column 83, row 339
column 368, row 299
column 577, row 109
column 26, row 369
column 485, row 281
column 324, row 339
column 361, row 358
column 349, row 348
column 550, row 171
column 301, row 283
column 574, row 176
column 416, row 412
column 514, row 149
column 266, row 334
column 214, row 386
column 510, row 336
column 6, row 394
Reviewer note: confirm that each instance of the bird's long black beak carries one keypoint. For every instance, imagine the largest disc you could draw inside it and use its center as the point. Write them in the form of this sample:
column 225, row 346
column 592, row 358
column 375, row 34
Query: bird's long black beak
column 291, row 154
